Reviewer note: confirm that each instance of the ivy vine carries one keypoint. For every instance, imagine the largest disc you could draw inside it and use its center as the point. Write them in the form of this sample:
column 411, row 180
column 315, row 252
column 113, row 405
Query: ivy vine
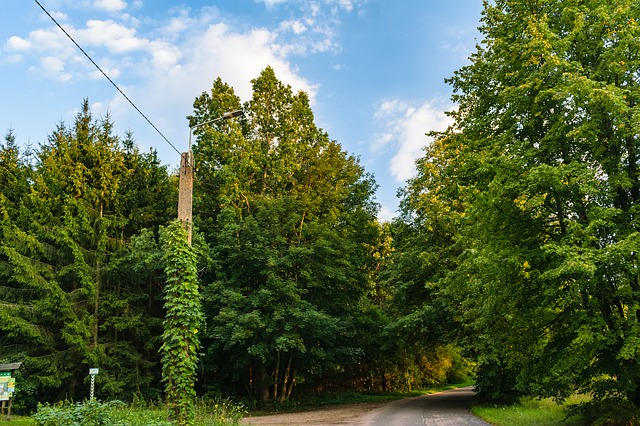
column 183, row 318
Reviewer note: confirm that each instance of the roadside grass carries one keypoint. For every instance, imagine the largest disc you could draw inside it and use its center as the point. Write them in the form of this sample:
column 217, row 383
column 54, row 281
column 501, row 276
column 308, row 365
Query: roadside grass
column 209, row 412
column 531, row 412
column 17, row 421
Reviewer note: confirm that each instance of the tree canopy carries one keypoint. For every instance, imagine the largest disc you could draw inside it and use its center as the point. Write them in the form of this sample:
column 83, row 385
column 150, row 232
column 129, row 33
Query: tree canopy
column 289, row 265
column 528, row 202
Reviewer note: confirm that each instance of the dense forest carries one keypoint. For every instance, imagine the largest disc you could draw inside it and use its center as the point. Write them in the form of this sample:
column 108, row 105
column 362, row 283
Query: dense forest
column 288, row 252
column 514, row 257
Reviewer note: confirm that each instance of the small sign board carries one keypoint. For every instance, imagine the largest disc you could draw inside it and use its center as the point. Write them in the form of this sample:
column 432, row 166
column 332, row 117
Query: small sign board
column 93, row 371
column 7, row 387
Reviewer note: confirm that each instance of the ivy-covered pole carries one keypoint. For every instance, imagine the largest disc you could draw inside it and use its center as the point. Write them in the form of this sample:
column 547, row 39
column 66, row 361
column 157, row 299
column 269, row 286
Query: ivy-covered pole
column 183, row 319
column 180, row 343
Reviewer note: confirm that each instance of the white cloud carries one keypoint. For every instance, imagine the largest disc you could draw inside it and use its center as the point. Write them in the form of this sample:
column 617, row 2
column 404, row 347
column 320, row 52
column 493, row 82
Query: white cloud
column 116, row 37
column 51, row 40
column 407, row 124
column 295, row 25
column 386, row 214
column 346, row 5
column 17, row 44
column 271, row 3
column 113, row 73
column 167, row 91
column 55, row 66
column 162, row 65
column 177, row 25
column 59, row 16
column 110, row 5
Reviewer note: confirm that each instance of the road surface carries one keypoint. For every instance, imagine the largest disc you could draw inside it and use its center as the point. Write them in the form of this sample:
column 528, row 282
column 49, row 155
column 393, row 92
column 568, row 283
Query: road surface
column 449, row 408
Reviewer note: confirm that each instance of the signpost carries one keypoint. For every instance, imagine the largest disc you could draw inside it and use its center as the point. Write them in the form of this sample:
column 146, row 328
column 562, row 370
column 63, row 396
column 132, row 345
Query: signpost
column 7, row 386
column 93, row 372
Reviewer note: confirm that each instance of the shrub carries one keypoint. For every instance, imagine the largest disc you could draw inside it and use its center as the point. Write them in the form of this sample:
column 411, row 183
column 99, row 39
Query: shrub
column 608, row 412
column 89, row 413
column 219, row 412
column 96, row 413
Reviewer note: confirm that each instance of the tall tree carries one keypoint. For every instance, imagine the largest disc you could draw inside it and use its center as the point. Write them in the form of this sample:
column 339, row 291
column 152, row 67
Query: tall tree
column 542, row 166
column 293, row 221
column 62, row 257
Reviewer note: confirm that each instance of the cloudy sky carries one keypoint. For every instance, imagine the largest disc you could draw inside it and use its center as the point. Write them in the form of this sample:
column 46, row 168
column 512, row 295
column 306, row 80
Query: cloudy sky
column 374, row 69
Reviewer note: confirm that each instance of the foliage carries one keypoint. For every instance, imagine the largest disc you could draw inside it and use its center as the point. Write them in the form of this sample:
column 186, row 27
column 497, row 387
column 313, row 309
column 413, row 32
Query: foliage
column 302, row 287
column 607, row 412
column 88, row 413
column 290, row 221
column 219, row 412
column 527, row 204
column 67, row 303
column 209, row 412
column 183, row 319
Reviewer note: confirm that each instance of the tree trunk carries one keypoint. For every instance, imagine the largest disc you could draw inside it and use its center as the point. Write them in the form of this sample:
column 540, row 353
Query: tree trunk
column 285, row 392
column 264, row 385
column 276, row 375
column 293, row 382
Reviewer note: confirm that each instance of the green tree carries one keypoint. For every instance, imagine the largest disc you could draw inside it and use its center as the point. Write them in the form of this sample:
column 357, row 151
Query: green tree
column 69, row 305
column 291, row 222
column 14, row 172
column 541, row 173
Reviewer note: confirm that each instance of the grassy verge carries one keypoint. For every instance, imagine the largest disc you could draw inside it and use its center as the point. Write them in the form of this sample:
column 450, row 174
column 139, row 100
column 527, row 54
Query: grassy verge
column 529, row 412
column 17, row 421
column 217, row 412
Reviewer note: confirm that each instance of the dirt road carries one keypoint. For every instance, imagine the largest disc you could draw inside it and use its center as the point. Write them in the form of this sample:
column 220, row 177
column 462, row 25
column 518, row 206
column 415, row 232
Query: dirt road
column 448, row 408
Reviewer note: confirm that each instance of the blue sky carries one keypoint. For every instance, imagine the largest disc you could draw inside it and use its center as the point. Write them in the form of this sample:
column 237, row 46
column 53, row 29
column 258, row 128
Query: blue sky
column 374, row 69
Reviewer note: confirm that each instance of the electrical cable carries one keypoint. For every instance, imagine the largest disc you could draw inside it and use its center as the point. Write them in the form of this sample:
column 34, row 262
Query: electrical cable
column 107, row 77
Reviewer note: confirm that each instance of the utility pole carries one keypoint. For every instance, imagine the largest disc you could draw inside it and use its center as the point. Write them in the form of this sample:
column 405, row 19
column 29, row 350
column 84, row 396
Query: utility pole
column 185, row 191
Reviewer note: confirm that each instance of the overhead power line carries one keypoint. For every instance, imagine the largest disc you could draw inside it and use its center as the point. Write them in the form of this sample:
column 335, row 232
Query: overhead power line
column 107, row 77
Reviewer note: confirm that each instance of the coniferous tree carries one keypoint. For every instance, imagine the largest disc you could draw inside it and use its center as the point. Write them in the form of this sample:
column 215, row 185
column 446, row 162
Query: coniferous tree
column 70, row 302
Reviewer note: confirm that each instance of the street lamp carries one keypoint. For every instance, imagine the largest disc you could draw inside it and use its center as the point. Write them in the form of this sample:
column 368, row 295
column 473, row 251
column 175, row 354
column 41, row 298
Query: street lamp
column 226, row 115
column 185, row 191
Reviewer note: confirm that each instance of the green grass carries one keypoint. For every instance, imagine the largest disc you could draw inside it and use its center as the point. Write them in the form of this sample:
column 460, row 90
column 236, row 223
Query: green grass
column 219, row 412
column 529, row 412
column 17, row 421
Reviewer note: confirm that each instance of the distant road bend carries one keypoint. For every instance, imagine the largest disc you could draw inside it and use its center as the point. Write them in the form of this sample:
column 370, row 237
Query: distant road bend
column 448, row 408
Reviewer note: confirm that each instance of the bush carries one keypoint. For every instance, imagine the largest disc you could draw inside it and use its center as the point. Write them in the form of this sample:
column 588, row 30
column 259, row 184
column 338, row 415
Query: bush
column 89, row 413
column 608, row 412
column 209, row 412
column 95, row 413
